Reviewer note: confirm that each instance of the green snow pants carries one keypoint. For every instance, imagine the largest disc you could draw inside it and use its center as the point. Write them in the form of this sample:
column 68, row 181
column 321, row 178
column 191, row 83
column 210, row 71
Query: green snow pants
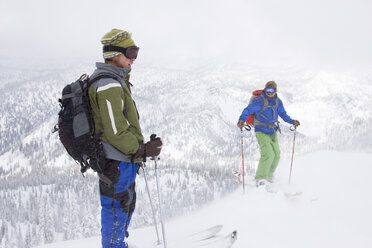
column 270, row 155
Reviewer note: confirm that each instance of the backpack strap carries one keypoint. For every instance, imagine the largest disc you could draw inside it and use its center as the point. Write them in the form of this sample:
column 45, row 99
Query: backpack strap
column 266, row 103
column 100, row 76
column 107, row 75
column 71, row 95
column 272, row 126
column 88, row 83
column 105, row 179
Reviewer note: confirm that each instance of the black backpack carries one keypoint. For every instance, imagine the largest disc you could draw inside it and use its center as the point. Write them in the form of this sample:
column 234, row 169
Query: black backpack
column 76, row 126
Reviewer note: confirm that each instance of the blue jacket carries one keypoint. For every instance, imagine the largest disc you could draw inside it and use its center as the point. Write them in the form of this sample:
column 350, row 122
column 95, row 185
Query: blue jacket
column 271, row 113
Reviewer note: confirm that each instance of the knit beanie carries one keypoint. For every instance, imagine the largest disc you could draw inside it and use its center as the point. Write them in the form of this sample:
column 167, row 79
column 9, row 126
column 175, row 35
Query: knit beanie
column 116, row 37
column 271, row 84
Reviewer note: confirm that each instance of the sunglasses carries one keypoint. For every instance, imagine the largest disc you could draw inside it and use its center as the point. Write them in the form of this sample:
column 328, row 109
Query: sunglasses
column 129, row 52
column 270, row 90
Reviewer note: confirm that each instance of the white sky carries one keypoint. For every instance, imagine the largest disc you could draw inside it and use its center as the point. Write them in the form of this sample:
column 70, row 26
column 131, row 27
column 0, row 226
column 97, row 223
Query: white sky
column 326, row 32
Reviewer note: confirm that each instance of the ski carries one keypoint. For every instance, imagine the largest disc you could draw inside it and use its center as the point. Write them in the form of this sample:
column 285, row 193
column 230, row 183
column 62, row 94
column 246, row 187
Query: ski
column 237, row 174
column 291, row 195
column 287, row 194
column 202, row 235
column 239, row 178
column 223, row 242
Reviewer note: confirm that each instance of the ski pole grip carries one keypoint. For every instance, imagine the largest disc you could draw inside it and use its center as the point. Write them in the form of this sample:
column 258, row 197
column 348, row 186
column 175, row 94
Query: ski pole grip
column 152, row 137
column 247, row 127
column 293, row 128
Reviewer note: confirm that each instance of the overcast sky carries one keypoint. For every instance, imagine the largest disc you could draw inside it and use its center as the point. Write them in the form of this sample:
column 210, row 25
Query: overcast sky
column 325, row 32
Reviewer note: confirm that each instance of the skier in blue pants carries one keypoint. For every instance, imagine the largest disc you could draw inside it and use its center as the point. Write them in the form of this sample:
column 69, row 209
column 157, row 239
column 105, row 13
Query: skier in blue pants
column 116, row 122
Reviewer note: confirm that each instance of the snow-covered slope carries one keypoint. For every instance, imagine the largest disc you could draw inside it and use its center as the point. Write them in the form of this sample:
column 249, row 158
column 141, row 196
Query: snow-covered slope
column 333, row 210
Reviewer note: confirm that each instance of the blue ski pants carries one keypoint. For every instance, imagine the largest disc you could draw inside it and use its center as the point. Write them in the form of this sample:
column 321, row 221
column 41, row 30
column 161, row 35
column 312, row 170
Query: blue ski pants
column 118, row 202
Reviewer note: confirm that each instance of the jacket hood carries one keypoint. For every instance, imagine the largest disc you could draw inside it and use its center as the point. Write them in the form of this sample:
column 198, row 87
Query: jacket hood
column 121, row 73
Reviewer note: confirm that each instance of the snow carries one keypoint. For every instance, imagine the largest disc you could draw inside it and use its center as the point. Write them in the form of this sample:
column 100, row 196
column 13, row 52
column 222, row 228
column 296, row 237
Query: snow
column 332, row 211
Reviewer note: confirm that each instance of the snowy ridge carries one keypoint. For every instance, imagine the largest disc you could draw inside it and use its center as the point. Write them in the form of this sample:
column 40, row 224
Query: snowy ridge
column 194, row 111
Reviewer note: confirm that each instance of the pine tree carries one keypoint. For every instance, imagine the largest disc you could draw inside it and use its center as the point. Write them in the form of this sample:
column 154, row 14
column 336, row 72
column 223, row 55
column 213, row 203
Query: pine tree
column 41, row 221
column 2, row 231
column 76, row 215
column 87, row 224
column 28, row 238
column 71, row 219
column 19, row 238
column 34, row 237
column 49, row 221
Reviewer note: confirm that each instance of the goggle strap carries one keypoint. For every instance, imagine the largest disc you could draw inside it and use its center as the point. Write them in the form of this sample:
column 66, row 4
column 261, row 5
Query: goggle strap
column 111, row 48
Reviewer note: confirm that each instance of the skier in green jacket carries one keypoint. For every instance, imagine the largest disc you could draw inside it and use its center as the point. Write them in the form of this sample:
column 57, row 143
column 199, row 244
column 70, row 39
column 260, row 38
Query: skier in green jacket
column 115, row 114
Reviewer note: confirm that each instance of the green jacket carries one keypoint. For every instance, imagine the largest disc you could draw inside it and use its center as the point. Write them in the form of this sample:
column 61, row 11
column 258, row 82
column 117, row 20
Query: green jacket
column 115, row 112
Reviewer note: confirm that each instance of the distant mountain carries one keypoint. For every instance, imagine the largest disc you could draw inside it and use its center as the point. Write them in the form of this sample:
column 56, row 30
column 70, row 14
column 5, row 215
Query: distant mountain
column 193, row 110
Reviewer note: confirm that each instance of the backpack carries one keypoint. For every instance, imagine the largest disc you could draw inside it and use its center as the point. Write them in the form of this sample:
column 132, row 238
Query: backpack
column 76, row 126
column 252, row 118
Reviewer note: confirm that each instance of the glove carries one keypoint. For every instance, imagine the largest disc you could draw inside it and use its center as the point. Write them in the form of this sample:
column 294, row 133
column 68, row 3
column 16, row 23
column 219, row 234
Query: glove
column 296, row 123
column 153, row 147
column 150, row 149
column 240, row 124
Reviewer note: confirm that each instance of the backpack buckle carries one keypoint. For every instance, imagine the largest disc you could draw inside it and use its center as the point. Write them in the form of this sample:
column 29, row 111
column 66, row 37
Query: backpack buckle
column 55, row 128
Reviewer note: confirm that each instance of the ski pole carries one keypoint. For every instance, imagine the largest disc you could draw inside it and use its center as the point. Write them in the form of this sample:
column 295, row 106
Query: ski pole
column 152, row 206
column 292, row 128
column 250, row 166
column 161, row 215
column 241, row 139
column 155, row 158
column 248, row 128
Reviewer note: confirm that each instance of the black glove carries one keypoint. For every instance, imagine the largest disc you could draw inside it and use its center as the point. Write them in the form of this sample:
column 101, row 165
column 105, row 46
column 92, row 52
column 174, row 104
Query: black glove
column 296, row 123
column 150, row 149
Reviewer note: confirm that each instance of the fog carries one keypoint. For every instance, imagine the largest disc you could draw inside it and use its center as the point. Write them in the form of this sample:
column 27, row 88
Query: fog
column 314, row 33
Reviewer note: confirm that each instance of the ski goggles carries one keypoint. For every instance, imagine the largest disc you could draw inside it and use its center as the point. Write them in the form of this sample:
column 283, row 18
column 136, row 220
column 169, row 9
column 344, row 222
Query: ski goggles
column 129, row 52
column 270, row 90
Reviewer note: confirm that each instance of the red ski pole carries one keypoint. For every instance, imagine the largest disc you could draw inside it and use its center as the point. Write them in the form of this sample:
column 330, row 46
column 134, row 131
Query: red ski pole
column 242, row 156
column 248, row 128
column 292, row 128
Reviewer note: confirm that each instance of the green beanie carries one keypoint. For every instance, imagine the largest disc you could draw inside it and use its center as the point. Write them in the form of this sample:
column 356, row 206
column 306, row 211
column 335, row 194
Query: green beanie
column 116, row 37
